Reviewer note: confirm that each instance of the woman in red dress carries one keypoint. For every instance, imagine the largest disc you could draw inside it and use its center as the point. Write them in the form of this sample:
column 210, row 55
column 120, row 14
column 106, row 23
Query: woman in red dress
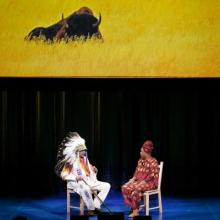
column 145, row 178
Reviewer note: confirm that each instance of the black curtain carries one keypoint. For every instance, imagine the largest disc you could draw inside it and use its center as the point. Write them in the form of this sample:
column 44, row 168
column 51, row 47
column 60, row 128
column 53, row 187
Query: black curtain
column 115, row 116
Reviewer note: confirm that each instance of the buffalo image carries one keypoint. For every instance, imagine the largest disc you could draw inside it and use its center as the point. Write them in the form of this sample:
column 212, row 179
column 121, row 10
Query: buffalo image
column 80, row 24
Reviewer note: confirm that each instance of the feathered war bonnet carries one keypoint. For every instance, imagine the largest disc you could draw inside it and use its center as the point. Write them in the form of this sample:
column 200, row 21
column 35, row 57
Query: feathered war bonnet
column 68, row 151
column 73, row 144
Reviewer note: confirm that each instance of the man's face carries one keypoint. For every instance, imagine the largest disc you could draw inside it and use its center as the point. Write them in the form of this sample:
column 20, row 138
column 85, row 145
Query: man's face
column 82, row 153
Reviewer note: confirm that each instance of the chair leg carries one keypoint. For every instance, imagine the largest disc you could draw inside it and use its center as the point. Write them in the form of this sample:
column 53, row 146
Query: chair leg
column 68, row 202
column 144, row 200
column 147, row 204
column 81, row 206
column 160, row 202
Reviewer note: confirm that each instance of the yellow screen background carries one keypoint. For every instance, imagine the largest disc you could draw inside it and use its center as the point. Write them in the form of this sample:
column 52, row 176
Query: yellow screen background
column 142, row 38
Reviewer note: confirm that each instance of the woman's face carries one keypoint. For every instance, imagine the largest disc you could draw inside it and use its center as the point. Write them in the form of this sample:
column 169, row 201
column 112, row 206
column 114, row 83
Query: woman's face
column 143, row 154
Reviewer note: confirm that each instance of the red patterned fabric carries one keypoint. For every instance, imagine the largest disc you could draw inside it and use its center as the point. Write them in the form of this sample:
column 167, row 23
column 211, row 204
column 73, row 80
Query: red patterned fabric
column 145, row 178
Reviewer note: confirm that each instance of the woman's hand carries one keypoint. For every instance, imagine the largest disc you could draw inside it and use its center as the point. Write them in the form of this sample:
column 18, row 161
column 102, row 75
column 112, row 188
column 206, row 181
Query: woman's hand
column 132, row 180
column 141, row 183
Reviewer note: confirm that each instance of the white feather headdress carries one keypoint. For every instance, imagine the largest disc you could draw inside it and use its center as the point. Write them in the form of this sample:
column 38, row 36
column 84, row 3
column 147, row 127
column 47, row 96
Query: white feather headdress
column 68, row 151
column 74, row 144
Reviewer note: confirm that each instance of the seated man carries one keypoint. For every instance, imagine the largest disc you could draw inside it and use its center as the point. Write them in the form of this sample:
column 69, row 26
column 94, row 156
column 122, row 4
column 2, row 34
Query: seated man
column 145, row 178
column 81, row 175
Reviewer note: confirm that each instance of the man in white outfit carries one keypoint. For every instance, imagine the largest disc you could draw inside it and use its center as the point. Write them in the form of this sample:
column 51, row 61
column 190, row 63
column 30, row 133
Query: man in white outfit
column 81, row 176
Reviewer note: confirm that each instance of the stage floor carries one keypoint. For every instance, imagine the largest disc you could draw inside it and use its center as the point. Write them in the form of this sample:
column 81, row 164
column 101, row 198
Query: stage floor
column 54, row 208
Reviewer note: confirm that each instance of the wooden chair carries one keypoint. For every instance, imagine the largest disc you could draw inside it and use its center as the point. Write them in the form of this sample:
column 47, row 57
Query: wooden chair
column 68, row 201
column 81, row 202
column 157, row 191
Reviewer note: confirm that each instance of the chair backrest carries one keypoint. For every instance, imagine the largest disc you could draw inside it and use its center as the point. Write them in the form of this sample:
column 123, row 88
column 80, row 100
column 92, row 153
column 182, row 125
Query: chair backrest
column 160, row 174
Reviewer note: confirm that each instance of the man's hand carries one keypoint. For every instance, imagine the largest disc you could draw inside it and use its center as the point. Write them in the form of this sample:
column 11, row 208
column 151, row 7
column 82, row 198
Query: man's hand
column 94, row 169
column 78, row 178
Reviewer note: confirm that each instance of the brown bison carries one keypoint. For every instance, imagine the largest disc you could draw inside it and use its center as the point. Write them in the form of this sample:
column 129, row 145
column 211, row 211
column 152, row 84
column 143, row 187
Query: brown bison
column 84, row 10
column 80, row 24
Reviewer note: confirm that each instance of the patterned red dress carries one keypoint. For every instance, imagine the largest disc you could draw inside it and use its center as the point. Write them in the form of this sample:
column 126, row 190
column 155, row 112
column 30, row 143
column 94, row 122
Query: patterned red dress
column 145, row 178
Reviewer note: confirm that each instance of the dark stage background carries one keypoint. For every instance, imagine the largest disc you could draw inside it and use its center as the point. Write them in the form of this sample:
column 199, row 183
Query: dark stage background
column 115, row 116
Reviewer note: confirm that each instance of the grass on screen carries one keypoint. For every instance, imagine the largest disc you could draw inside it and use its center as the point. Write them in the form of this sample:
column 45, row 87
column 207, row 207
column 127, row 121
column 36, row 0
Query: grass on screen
column 152, row 38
